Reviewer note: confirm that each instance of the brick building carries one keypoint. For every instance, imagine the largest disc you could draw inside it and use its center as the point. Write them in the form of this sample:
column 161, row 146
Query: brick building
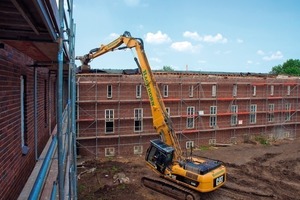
column 17, row 118
column 114, row 116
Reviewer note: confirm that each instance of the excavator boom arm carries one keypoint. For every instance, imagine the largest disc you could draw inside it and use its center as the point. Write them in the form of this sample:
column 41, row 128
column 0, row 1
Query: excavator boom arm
column 161, row 121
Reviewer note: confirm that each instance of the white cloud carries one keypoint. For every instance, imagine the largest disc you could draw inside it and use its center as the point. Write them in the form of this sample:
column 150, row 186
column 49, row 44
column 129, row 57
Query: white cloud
column 218, row 38
column 239, row 41
column 215, row 39
column 113, row 36
column 184, row 46
column 155, row 60
column 157, row 38
column 260, row 52
column 274, row 56
column 192, row 35
column 249, row 61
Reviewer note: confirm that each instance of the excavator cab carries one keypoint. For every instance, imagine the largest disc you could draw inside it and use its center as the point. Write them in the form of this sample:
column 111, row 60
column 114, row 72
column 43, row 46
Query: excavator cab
column 159, row 155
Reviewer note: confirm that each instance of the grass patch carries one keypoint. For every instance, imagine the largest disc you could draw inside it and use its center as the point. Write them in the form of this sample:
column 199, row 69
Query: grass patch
column 262, row 140
column 204, row 148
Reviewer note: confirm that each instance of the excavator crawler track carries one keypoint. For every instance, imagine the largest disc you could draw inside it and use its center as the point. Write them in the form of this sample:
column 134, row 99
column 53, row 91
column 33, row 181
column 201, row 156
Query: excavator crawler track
column 170, row 189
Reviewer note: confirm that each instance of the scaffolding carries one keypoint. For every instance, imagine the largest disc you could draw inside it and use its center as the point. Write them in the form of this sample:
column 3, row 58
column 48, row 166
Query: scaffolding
column 205, row 109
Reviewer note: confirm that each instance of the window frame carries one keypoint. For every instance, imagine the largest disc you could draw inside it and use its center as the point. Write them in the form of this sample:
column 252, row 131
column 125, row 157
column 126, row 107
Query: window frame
column 109, row 118
column 138, row 117
column 109, row 91
column 138, row 91
column 190, row 119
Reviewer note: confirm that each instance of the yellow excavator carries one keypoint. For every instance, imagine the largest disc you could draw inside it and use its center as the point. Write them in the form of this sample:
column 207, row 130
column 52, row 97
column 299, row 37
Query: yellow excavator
column 181, row 177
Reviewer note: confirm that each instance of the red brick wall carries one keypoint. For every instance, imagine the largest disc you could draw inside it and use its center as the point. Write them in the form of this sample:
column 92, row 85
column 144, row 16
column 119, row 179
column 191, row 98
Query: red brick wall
column 15, row 168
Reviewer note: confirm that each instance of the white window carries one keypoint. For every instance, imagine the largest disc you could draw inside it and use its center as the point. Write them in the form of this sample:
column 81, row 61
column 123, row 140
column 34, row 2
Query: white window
column 271, row 107
column 287, row 114
column 271, row 117
column 272, row 90
column 191, row 91
column 138, row 91
column 165, row 90
column 288, row 106
column 234, row 90
column 234, row 108
column 213, row 110
column 110, row 151
column 138, row 119
column 212, row 141
column 213, row 117
column 254, row 90
column 168, row 111
column 190, row 117
column 288, row 90
column 109, row 91
column 137, row 150
column 234, row 117
column 212, row 121
column 214, row 90
column 253, row 109
column 189, row 145
column 233, row 120
column 109, row 121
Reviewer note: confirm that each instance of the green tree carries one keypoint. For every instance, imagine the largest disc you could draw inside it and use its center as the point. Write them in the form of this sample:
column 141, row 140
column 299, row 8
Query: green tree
column 289, row 67
column 167, row 68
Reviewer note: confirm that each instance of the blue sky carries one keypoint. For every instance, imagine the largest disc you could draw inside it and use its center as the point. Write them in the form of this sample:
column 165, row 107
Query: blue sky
column 196, row 35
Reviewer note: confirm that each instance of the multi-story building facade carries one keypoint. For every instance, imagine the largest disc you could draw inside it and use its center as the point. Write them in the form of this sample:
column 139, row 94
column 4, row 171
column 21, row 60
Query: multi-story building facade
column 114, row 116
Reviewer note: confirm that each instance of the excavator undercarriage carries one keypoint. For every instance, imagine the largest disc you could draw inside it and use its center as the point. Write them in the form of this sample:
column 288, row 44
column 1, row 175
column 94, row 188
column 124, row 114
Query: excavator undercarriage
column 170, row 189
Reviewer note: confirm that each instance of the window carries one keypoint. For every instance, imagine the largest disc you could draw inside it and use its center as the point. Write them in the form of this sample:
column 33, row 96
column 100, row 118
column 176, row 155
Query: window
column 288, row 90
column 234, row 108
column 109, row 91
column 214, row 90
column 109, row 121
column 213, row 117
column 190, row 117
column 271, row 116
column 138, row 119
column 288, row 106
column 272, row 90
column 45, row 104
column 191, row 91
column 234, row 117
column 234, row 90
column 23, row 102
column 271, row 107
column 137, row 150
column 166, row 90
column 189, row 144
column 233, row 120
column 254, row 90
column 212, row 141
column 138, row 91
column 212, row 121
column 110, row 151
column 213, row 110
column 287, row 115
column 168, row 111
column 253, row 109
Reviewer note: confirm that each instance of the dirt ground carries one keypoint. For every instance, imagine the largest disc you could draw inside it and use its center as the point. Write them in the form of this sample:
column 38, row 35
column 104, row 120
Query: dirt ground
column 255, row 171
